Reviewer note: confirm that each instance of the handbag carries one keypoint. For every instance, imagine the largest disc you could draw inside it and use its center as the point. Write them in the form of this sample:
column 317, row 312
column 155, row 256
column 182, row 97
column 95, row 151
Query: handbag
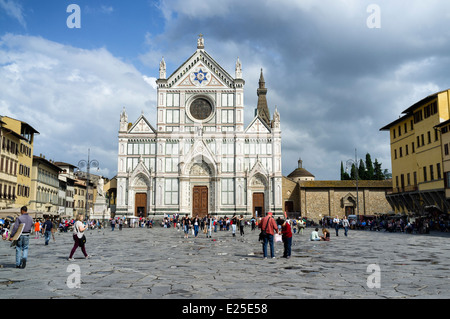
column 82, row 240
column 263, row 233
column 278, row 238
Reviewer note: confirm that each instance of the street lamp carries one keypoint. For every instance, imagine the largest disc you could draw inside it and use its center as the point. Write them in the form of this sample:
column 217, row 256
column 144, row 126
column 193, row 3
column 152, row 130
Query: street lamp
column 89, row 163
column 351, row 162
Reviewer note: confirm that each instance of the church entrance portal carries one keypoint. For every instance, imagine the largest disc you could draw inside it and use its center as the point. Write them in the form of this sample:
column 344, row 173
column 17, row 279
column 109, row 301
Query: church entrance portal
column 140, row 205
column 258, row 205
column 200, row 201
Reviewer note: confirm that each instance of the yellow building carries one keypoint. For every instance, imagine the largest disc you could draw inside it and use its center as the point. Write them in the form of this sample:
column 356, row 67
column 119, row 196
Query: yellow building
column 444, row 129
column 416, row 155
column 44, row 186
column 9, row 158
column 24, row 158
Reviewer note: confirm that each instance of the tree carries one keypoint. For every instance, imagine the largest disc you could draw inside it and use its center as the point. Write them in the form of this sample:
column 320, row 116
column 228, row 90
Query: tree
column 362, row 170
column 366, row 170
column 378, row 173
column 370, row 172
column 353, row 172
column 344, row 174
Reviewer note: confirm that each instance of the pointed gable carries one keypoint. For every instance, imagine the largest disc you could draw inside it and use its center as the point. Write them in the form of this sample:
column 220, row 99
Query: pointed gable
column 142, row 126
column 200, row 152
column 200, row 71
column 258, row 126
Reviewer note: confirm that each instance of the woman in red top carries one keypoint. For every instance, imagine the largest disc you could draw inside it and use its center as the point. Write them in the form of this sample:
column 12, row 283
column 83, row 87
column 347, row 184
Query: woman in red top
column 286, row 232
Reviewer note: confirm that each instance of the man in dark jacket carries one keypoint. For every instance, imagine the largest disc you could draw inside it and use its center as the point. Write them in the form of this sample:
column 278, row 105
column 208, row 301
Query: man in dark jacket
column 24, row 239
column 48, row 225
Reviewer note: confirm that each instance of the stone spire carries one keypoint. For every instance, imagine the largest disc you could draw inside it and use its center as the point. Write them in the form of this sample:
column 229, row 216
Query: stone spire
column 162, row 69
column 262, row 108
column 238, row 74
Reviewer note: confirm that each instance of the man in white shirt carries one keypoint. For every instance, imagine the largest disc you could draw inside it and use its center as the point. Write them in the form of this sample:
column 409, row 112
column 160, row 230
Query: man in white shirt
column 336, row 225
column 315, row 235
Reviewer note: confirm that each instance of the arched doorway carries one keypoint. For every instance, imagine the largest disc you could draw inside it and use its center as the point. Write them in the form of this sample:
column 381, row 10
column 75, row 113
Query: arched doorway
column 258, row 187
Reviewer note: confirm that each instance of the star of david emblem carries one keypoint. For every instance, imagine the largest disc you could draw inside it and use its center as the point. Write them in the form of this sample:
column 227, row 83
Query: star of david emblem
column 200, row 76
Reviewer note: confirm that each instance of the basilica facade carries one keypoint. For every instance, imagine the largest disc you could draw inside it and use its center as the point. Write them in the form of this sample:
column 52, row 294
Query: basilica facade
column 200, row 158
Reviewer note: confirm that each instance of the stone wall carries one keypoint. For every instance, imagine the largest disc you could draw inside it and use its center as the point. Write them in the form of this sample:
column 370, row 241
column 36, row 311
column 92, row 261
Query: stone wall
column 316, row 199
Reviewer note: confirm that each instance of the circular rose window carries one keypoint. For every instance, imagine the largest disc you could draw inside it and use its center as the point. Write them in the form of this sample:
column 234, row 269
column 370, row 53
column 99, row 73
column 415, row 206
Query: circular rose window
column 200, row 109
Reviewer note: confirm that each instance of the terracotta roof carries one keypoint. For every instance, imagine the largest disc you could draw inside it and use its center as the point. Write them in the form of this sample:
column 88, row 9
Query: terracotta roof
column 300, row 172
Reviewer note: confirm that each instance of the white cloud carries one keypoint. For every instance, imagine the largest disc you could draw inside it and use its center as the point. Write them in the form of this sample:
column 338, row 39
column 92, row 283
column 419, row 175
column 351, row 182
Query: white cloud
column 71, row 96
column 14, row 10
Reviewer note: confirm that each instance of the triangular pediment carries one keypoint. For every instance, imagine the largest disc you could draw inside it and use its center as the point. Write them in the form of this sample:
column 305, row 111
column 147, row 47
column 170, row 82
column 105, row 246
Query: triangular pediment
column 142, row 126
column 258, row 169
column 258, row 126
column 200, row 71
column 199, row 153
column 140, row 176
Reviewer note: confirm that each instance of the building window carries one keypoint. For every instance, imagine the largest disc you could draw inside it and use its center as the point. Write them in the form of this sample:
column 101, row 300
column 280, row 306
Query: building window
column 173, row 116
column 418, row 116
column 171, row 191
column 431, row 173
column 438, row 170
column 227, row 116
column 171, row 165
column 228, row 191
column 227, row 165
column 424, row 174
column 227, row 147
column 172, row 149
column 429, row 137
column 227, row 99
column 173, row 99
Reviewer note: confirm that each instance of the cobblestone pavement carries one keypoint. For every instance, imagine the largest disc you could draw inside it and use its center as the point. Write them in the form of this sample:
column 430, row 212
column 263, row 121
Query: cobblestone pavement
column 159, row 263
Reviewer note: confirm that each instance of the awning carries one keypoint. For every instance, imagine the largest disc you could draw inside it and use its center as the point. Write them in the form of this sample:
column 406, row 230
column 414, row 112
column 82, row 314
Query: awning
column 15, row 212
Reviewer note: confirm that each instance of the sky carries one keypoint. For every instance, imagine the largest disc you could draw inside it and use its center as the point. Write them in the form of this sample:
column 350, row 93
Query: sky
column 336, row 70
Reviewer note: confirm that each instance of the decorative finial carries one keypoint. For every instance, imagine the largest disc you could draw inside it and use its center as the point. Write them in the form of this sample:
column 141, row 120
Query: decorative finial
column 200, row 42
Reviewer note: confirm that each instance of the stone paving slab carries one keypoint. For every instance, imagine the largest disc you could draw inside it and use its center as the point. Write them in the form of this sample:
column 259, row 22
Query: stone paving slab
column 158, row 263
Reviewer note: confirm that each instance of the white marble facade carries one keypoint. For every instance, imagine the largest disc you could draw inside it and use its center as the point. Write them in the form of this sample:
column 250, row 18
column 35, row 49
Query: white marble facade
column 199, row 142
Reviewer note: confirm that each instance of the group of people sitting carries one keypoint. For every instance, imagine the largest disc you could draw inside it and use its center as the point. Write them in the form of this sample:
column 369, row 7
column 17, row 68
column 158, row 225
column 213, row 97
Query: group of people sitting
column 315, row 235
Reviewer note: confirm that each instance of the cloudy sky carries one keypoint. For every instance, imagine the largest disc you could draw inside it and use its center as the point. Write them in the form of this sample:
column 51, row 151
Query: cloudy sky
column 337, row 70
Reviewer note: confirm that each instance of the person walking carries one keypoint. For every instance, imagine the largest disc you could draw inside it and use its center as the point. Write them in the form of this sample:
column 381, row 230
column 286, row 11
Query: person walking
column 37, row 228
column 286, row 233
column 233, row 223
column 269, row 225
column 346, row 225
column 336, row 225
column 78, row 232
column 196, row 223
column 209, row 225
column 24, row 239
column 47, row 226
column 186, row 224
column 241, row 224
